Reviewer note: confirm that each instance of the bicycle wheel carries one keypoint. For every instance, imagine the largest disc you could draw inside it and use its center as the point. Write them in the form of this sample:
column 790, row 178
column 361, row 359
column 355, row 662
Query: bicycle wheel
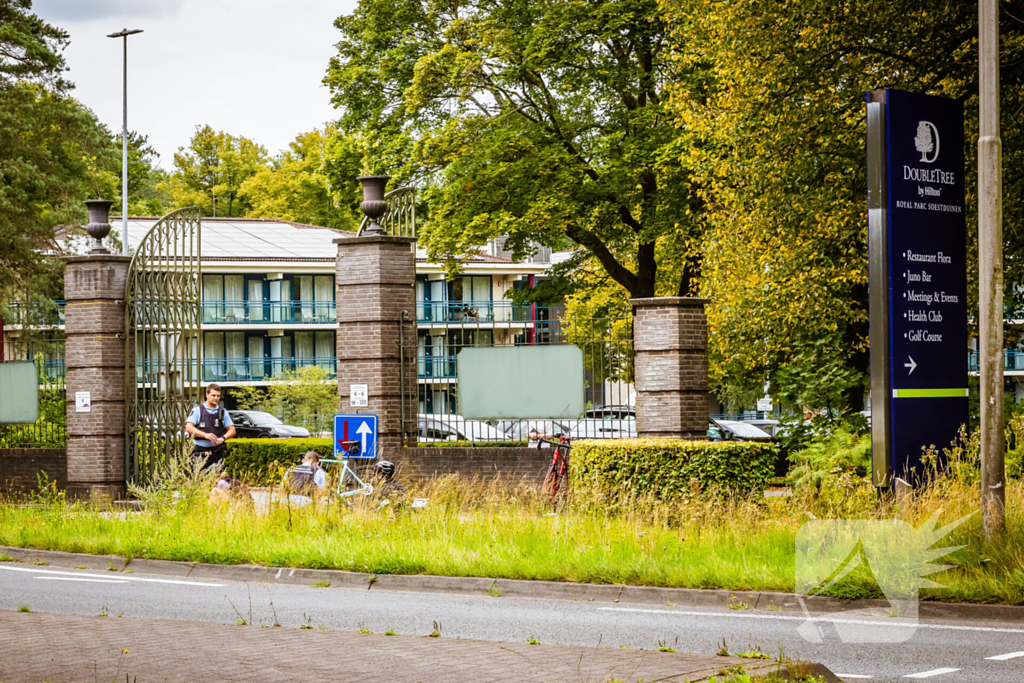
column 355, row 480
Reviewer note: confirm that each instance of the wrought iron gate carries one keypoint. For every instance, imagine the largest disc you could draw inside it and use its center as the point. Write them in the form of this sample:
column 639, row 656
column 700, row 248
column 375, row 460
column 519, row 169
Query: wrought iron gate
column 162, row 344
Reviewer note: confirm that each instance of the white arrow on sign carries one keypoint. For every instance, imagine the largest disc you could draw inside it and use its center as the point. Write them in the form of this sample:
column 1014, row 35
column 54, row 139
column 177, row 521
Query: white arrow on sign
column 910, row 365
column 363, row 430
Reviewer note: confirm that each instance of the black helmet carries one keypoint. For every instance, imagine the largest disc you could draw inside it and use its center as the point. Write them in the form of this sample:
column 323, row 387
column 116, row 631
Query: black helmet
column 385, row 468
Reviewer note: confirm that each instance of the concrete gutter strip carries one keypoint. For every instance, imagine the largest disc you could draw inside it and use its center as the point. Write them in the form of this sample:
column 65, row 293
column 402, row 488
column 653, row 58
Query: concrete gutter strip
column 517, row 588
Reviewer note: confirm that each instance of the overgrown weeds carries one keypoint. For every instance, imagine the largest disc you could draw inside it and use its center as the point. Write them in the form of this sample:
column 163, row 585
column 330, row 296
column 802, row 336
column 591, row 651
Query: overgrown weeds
column 501, row 529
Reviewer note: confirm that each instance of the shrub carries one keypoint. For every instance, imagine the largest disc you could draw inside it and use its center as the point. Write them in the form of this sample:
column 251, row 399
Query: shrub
column 841, row 451
column 667, row 468
column 474, row 444
column 257, row 460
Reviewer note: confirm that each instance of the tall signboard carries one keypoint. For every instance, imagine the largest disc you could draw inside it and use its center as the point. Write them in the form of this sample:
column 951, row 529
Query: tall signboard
column 917, row 278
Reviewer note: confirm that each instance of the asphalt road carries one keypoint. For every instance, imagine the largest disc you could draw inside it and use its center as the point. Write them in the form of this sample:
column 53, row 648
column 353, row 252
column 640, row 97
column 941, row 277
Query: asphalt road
column 940, row 651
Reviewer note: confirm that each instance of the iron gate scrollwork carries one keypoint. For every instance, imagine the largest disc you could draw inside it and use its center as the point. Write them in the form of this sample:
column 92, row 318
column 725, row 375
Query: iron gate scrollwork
column 162, row 343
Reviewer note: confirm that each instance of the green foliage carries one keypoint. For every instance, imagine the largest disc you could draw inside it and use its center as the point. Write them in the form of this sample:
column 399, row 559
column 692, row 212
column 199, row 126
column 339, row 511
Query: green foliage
column 49, row 144
column 295, row 188
column 259, row 461
column 473, row 444
column 538, row 122
column 839, row 451
column 667, row 468
column 305, row 397
column 779, row 152
column 216, row 163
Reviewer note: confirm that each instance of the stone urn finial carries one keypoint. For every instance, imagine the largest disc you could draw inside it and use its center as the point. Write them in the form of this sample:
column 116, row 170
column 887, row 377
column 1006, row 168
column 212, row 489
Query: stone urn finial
column 373, row 204
column 99, row 223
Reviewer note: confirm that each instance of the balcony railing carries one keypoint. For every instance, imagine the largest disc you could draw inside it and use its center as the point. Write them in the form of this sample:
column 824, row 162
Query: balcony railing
column 471, row 312
column 435, row 367
column 1012, row 361
column 37, row 314
column 242, row 369
column 268, row 312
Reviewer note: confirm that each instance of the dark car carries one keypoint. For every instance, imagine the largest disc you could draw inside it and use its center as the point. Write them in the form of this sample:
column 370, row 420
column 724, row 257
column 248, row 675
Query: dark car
column 256, row 424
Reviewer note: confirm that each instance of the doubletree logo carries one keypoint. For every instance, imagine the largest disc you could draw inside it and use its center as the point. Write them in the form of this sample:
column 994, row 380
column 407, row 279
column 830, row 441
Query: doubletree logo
column 927, row 141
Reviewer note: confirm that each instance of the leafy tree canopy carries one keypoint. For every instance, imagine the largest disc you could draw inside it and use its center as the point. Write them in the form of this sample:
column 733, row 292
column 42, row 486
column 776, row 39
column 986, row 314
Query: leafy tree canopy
column 49, row 147
column 779, row 148
column 537, row 121
column 295, row 186
column 211, row 170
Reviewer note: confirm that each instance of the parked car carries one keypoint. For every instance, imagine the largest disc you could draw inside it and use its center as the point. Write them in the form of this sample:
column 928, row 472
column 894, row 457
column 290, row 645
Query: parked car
column 521, row 430
column 771, row 427
column 433, row 428
column 611, row 413
column 733, row 430
column 256, row 424
column 596, row 428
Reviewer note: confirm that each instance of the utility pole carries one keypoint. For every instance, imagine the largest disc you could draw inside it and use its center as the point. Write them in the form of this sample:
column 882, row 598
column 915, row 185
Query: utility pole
column 124, row 33
column 990, row 274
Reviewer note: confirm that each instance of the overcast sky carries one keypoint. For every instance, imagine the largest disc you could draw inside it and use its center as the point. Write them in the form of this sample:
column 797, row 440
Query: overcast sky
column 248, row 67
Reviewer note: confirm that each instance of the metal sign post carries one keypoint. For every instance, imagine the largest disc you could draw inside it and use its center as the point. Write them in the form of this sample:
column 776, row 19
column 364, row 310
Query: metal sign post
column 917, row 279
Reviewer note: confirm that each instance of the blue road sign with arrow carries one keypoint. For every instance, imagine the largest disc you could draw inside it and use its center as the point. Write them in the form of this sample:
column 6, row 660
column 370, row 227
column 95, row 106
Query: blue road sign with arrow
column 358, row 428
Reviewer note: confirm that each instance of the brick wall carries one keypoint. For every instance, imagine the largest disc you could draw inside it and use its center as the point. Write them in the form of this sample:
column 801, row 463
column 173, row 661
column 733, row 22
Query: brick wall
column 375, row 282
column 670, row 338
column 94, row 287
column 20, row 467
column 509, row 463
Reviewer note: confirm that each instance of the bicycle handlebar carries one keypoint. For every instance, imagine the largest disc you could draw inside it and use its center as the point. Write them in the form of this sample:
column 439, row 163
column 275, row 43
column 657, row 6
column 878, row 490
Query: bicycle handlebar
column 558, row 444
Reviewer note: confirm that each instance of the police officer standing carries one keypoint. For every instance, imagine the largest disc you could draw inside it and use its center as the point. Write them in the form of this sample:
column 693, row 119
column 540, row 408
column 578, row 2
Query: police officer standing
column 210, row 426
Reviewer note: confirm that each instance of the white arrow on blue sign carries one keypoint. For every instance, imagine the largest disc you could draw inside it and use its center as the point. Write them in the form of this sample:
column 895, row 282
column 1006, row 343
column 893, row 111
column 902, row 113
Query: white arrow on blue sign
column 361, row 428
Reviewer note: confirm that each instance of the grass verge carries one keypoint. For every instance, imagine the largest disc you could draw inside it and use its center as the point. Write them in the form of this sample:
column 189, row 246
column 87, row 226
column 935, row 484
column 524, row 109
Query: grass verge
column 499, row 530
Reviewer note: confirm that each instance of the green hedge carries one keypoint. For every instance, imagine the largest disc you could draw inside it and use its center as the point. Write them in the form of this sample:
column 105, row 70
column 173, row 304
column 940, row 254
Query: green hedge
column 666, row 467
column 474, row 444
column 257, row 460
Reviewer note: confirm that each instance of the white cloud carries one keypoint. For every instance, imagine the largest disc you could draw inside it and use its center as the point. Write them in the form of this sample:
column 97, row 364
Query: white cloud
column 250, row 67
column 84, row 10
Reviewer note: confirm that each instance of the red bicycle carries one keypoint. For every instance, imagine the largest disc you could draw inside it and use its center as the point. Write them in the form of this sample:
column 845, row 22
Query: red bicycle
column 557, row 479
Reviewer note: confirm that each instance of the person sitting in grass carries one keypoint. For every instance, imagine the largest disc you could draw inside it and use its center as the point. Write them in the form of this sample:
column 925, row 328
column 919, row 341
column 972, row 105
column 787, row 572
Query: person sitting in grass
column 308, row 477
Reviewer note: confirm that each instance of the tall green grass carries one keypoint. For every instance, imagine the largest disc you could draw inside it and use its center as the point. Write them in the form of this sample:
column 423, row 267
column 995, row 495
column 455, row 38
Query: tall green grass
column 505, row 530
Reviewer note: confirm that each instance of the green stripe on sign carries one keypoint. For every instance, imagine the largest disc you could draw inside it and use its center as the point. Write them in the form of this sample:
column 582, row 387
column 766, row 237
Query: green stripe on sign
column 929, row 393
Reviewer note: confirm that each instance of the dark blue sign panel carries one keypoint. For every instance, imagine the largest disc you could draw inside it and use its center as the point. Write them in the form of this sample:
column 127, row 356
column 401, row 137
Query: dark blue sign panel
column 927, row 274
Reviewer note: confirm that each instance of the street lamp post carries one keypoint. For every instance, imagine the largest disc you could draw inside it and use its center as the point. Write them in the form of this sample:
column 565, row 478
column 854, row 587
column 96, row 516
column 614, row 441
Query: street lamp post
column 124, row 33
column 990, row 274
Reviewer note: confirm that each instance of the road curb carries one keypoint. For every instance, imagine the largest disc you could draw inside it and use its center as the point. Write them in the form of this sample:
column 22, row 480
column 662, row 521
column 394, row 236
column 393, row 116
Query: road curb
column 517, row 588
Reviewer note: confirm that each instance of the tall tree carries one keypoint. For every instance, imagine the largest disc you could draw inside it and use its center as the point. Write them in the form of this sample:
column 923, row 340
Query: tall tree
column 539, row 121
column 295, row 187
column 780, row 149
column 211, row 170
column 49, row 146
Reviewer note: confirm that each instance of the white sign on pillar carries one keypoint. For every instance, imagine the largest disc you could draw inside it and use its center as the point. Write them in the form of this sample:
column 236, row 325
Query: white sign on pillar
column 359, row 395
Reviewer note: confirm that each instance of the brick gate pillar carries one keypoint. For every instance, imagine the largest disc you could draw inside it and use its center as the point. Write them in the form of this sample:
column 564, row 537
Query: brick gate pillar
column 94, row 288
column 670, row 339
column 375, row 282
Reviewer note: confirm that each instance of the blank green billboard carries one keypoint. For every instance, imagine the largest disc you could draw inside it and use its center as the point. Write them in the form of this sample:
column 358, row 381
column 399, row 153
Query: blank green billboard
column 520, row 382
column 19, row 393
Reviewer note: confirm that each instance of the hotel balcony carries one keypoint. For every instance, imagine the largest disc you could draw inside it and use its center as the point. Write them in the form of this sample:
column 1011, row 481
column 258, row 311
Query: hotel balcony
column 473, row 312
column 269, row 313
column 1013, row 362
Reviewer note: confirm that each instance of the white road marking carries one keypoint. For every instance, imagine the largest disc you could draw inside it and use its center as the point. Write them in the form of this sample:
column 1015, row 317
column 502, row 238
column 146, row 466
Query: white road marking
column 77, row 578
column 1003, row 658
column 778, row 617
column 933, row 672
column 124, row 577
